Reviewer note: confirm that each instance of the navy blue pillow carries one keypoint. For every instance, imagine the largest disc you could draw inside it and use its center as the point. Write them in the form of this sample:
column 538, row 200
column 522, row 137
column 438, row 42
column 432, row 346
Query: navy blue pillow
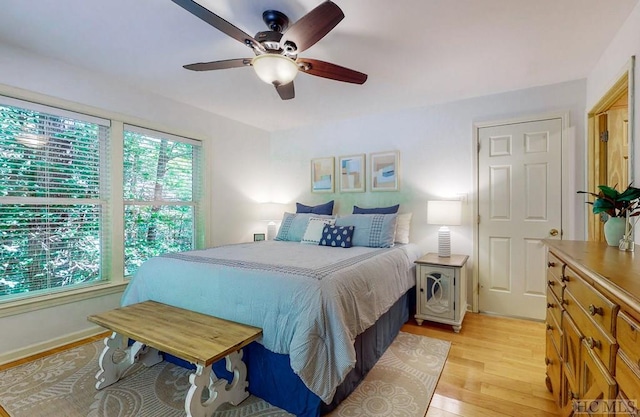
column 337, row 236
column 326, row 208
column 376, row 210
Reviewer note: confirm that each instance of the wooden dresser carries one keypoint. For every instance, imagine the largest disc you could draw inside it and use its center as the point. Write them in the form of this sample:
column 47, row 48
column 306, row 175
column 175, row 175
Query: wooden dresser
column 593, row 328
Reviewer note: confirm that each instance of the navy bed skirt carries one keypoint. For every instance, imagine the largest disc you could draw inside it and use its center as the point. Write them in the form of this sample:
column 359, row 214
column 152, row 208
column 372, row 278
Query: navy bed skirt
column 271, row 378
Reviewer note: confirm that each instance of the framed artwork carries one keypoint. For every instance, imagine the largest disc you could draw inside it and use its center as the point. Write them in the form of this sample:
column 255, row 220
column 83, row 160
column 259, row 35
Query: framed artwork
column 385, row 171
column 258, row 237
column 322, row 171
column 352, row 169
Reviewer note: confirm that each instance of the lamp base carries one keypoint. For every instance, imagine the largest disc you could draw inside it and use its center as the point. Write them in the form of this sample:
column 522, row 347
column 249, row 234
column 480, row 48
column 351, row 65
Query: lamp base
column 444, row 242
column 271, row 231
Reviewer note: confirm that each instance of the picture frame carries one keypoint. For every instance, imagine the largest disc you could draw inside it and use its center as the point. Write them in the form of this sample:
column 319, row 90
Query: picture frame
column 352, row 173
column 384, row 171
column 322, row 175
column 259, row 237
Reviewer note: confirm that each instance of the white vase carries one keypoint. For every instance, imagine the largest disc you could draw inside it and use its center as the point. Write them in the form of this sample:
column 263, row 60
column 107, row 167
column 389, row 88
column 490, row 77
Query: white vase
column 614, row 229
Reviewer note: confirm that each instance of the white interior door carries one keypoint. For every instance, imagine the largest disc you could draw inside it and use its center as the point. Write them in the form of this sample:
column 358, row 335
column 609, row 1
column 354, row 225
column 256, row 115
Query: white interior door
column 519, row 204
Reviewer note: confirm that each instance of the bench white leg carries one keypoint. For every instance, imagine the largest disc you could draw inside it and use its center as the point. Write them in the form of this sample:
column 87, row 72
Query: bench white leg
column 219, row 391
column 111, row 369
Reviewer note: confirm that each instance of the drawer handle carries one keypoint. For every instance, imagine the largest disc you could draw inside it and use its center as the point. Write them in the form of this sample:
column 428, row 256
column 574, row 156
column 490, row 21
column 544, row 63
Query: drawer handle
column 573, row 395
column 551, row 305
column 593, row 310
column 592, row 343
column 564, row 278
column 552, row 283
column 549, row 327
column 565, row 302
column 547, row 361
column 551, row 264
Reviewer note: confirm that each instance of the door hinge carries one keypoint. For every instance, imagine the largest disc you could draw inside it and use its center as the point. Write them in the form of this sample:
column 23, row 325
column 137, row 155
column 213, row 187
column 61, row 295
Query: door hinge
column 478, row 146
column 478, row 219
column 604, row 136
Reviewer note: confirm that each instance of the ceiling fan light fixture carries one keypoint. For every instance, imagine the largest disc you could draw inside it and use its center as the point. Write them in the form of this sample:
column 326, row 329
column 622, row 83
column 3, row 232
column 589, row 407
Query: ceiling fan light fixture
column 275, row 69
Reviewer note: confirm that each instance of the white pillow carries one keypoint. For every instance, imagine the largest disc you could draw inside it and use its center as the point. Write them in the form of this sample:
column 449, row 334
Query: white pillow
column 314, row 230
column 402, row 228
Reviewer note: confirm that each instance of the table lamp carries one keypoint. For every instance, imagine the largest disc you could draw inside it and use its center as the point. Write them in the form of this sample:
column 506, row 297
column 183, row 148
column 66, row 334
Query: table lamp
column 444, row 213
column 272, row 214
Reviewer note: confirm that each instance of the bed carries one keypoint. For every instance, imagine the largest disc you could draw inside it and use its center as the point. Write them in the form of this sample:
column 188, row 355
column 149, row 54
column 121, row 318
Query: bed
column 327, row 313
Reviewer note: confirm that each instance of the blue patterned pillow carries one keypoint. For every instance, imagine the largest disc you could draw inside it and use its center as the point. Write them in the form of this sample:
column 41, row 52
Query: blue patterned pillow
column 294, row 225
column 337, row 236
column 372, row 230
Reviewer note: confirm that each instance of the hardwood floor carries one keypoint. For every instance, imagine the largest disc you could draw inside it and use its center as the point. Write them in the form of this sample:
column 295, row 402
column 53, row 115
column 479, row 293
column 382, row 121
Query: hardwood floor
column 495, row 368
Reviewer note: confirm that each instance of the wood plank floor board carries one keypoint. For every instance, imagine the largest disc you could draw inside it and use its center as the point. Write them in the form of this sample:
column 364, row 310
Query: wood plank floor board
column 495, row 368
column 455, row 407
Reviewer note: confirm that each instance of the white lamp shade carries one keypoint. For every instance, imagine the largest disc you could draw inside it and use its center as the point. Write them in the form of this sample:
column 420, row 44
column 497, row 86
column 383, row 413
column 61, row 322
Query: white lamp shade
column 275, row 69
column 444, row 212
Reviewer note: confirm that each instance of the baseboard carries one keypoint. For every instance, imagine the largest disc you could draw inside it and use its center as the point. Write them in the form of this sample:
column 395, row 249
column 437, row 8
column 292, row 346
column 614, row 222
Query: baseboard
column 37, row 348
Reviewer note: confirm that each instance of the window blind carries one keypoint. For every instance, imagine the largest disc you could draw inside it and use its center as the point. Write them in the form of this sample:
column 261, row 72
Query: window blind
column 53, row 176
column 161, row 194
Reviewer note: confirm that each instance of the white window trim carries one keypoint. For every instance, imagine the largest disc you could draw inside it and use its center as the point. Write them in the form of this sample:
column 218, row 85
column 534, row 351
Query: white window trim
column 115, row 261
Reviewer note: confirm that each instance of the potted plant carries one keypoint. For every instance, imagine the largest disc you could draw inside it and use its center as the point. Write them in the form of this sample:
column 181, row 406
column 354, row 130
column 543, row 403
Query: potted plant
column 620, row 207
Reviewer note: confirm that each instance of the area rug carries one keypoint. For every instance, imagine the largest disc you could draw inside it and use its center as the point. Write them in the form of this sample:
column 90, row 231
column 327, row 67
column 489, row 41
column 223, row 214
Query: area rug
column 401, row 384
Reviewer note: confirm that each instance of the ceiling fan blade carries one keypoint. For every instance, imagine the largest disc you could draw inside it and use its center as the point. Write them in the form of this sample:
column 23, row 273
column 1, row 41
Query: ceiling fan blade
column 216, row 65
column 217, row 22
column 286, row 91
column 313, row 26
column 330, row 71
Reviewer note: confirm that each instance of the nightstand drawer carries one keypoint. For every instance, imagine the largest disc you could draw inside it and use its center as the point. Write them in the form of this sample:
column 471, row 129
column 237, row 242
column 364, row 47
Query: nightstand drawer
column 601, row 309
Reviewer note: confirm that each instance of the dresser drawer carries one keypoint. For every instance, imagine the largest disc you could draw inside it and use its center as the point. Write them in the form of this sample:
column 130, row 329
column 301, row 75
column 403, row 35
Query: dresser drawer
column 554, row 275
column 596, row 383
column 554, row 331
column 554, row 265
column 599, row 341
column 552, row 360
column 627, row 408
column 601, row 309
column 555, row 284
column 628, row 335
column 571, row 350
column 553, row 306
column 628, row 377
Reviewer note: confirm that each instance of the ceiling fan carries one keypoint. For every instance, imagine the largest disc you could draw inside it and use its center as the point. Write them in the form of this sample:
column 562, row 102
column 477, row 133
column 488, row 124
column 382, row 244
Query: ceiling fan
column 276, row 61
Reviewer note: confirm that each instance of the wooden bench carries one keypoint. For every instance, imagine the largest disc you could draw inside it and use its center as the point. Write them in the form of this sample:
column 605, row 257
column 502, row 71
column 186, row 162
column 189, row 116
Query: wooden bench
column 194, row 337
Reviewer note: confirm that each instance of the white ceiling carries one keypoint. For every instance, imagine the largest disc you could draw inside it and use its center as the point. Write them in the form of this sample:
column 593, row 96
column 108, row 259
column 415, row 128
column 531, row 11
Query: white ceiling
column 416, row 52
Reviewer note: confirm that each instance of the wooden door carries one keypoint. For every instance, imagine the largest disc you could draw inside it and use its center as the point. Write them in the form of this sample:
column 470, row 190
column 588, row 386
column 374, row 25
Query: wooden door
column 519, row 204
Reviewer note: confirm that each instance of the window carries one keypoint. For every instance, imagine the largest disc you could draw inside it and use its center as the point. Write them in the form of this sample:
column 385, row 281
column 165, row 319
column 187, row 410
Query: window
column 53, row 189
column 161, row 191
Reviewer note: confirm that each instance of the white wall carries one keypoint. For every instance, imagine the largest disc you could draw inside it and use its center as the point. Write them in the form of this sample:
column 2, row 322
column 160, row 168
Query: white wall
column 234, row 152
column 436, row 153
column 613, row 62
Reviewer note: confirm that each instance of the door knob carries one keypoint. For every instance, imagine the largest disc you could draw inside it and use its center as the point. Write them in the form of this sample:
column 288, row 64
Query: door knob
column 553, row 232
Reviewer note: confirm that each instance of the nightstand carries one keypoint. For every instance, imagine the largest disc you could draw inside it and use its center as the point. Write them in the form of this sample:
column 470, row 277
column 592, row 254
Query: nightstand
column 441, row 289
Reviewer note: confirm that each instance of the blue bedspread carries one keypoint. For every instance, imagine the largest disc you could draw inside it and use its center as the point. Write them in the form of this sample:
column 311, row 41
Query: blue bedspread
column 310, row 301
